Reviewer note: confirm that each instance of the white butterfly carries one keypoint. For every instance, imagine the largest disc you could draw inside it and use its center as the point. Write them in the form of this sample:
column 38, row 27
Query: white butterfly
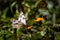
column 21, row 20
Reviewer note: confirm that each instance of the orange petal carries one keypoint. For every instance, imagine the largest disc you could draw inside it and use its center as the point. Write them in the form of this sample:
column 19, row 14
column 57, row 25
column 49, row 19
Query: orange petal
column 29, row 27
column 39, row 19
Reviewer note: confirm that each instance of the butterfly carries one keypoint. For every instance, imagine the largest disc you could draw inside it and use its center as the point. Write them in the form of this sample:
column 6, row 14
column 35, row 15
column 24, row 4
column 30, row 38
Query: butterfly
column 20, row 22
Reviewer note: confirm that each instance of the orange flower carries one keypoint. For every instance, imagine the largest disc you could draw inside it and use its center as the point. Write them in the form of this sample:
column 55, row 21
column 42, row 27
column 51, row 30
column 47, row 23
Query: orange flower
column 39, row 19
column 29, row 27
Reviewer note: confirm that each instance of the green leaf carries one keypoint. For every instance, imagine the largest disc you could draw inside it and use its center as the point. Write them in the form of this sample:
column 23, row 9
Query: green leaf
column 58, row 37
column 16, row 14
column 36, row 36
column 26, row 15
column 1, row 38
column 4, row 13
column 13, row 4
column 19, row 32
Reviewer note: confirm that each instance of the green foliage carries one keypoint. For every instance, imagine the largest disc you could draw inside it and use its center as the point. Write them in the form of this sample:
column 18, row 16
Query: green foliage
column 58, row 37
column 32, row 9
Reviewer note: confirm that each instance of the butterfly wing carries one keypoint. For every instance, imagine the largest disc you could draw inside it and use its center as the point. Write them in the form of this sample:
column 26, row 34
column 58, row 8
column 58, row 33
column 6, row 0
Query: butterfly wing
column 21, row 18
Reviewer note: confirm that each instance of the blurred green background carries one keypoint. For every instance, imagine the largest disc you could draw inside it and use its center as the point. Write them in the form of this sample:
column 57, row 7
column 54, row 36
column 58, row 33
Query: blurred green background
column 48, row 9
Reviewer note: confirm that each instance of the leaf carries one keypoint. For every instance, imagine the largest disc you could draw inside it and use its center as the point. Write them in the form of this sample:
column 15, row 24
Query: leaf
column 19, row 32
column 26, row 16
column 58, row 37
column 16, row 14
column 36, row 4
column 1, row 38
column 13, row 4
column 50, row 5
column 36, row 36
column 4, row 13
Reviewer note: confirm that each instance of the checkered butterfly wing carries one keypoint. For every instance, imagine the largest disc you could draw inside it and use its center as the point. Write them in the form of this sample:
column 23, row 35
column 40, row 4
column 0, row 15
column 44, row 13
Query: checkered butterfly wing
column 20, row 22
column 22, row 18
